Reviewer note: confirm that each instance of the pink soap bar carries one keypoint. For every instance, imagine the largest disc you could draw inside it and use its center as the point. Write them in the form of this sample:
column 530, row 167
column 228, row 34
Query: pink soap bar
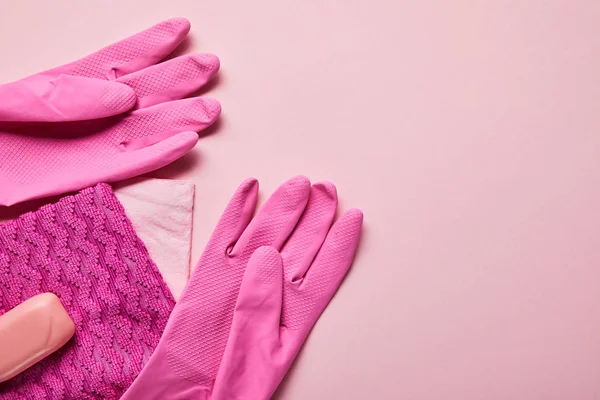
column 31, row 331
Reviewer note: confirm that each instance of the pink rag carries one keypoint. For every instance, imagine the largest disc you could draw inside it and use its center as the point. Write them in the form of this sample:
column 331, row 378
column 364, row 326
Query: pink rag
column 84, row 250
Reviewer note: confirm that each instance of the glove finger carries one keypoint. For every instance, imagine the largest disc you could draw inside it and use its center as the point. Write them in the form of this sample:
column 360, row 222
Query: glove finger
column 254, row 335
column 132, row 54
column 89, row 154
column 171, row 80
column 260, row 298
column 201, row 320
column 147, row 126
column 66, row 98
column 306, row 240
column 236, row 216
column 276, row 218
column 305, row 300
column 149, row 158
column 120, row 166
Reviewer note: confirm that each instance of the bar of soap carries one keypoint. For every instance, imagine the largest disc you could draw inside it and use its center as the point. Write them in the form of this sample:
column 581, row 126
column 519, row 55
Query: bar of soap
column 31, row 331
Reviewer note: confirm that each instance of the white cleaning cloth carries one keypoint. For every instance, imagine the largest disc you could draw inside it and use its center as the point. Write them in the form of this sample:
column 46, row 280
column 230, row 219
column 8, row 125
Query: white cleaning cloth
column 161, row 211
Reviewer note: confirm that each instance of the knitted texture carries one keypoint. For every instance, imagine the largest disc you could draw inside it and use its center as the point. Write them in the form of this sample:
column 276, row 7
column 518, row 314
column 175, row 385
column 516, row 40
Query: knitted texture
column 84, row 250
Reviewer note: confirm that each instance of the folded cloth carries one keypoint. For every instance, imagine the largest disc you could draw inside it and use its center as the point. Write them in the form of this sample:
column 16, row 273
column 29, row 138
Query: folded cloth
column 161, row 211
column 84, row 250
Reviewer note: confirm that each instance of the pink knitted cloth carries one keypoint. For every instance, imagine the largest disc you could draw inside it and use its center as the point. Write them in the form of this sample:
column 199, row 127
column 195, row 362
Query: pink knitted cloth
column 85, row 250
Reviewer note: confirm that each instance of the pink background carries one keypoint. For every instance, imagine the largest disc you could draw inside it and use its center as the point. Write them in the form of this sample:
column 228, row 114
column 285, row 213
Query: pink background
column 467, row 131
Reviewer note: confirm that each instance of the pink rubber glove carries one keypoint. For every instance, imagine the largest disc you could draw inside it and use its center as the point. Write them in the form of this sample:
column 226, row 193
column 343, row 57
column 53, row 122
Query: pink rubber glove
column 187, row 359
column 63, row 129
column 281, row 298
